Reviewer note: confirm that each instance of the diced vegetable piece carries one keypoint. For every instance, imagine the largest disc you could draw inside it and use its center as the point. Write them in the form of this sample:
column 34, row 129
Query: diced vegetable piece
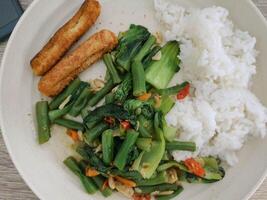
column 159, row 73
column 69, row 124
column 107, row 146
column 91, row 134
column 43, row 125
column 121, row 157
column 111, row 68
column 144, row 97
column 184, row 92
column 91, row 172
column 129, row 45
column 87, row 182
column 54, row 104
column 125, row 125
column 181, row 146
column 194, row 167
column 73, row 134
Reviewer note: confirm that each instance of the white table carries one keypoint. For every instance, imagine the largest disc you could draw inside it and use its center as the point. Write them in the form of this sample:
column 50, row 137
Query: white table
column 12, row 187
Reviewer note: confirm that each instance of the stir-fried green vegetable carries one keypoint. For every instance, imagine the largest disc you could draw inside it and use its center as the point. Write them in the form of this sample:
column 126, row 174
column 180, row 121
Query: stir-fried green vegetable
column 125, row 144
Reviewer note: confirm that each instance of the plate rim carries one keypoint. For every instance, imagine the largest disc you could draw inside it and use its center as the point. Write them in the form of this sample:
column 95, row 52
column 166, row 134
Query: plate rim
column 3, row 129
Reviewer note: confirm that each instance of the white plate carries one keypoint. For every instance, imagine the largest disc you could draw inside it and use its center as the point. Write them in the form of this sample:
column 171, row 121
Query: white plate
column 41, row 166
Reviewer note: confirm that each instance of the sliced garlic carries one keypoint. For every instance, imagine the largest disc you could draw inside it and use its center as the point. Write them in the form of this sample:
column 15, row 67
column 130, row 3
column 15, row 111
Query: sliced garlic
column 159, row 37
column 172, row 175
column 111, row 182
column 157, row 56
column 64, row 103
column 125, row 190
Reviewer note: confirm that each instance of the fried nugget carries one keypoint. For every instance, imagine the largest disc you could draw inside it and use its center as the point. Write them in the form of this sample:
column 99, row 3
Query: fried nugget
column 65, row 37
column 80, row 59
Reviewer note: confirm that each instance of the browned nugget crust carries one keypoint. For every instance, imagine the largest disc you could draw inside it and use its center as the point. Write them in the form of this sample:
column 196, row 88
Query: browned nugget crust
column 64, row 38
column 80, row 59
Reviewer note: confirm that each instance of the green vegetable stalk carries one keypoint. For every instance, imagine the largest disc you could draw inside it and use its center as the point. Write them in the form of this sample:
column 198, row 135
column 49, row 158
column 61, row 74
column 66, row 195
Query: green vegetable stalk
column 159, row 73
column 101, row 94
column 69, row 124
column 81, row 102
column 91, row 134
column 122, row 156
column 108, row 146
column 43, row 124
column 172, row 90
column 87, row 182
column 151, row 159
column 111, row 69
column 70, row 90
column 181, row 146
column 137, row 68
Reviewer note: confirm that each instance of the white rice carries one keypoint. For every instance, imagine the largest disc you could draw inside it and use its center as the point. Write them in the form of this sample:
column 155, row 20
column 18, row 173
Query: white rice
column 219, row 62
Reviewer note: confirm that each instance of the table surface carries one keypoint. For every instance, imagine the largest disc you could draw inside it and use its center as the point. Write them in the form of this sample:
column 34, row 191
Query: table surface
column 12, row 187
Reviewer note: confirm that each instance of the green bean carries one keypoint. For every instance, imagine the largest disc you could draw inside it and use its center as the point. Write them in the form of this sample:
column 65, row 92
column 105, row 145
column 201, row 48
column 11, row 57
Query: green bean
column 144, row 143
column 89, row 155
column 173, row 90
column 160, row 178
column 139, row 80
column 181, row 146
column 167, row 197
column 42, row 121
column 55, row 114
column 160, row 188
column 67, row 92
column 101, row 93
column 128, row 143
column 81, row 102
column 145, row 49
column 91, row 134
column 111, row 68
column 69, row 124
column 87, row 182
column 99, row 180
column 107, row 146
